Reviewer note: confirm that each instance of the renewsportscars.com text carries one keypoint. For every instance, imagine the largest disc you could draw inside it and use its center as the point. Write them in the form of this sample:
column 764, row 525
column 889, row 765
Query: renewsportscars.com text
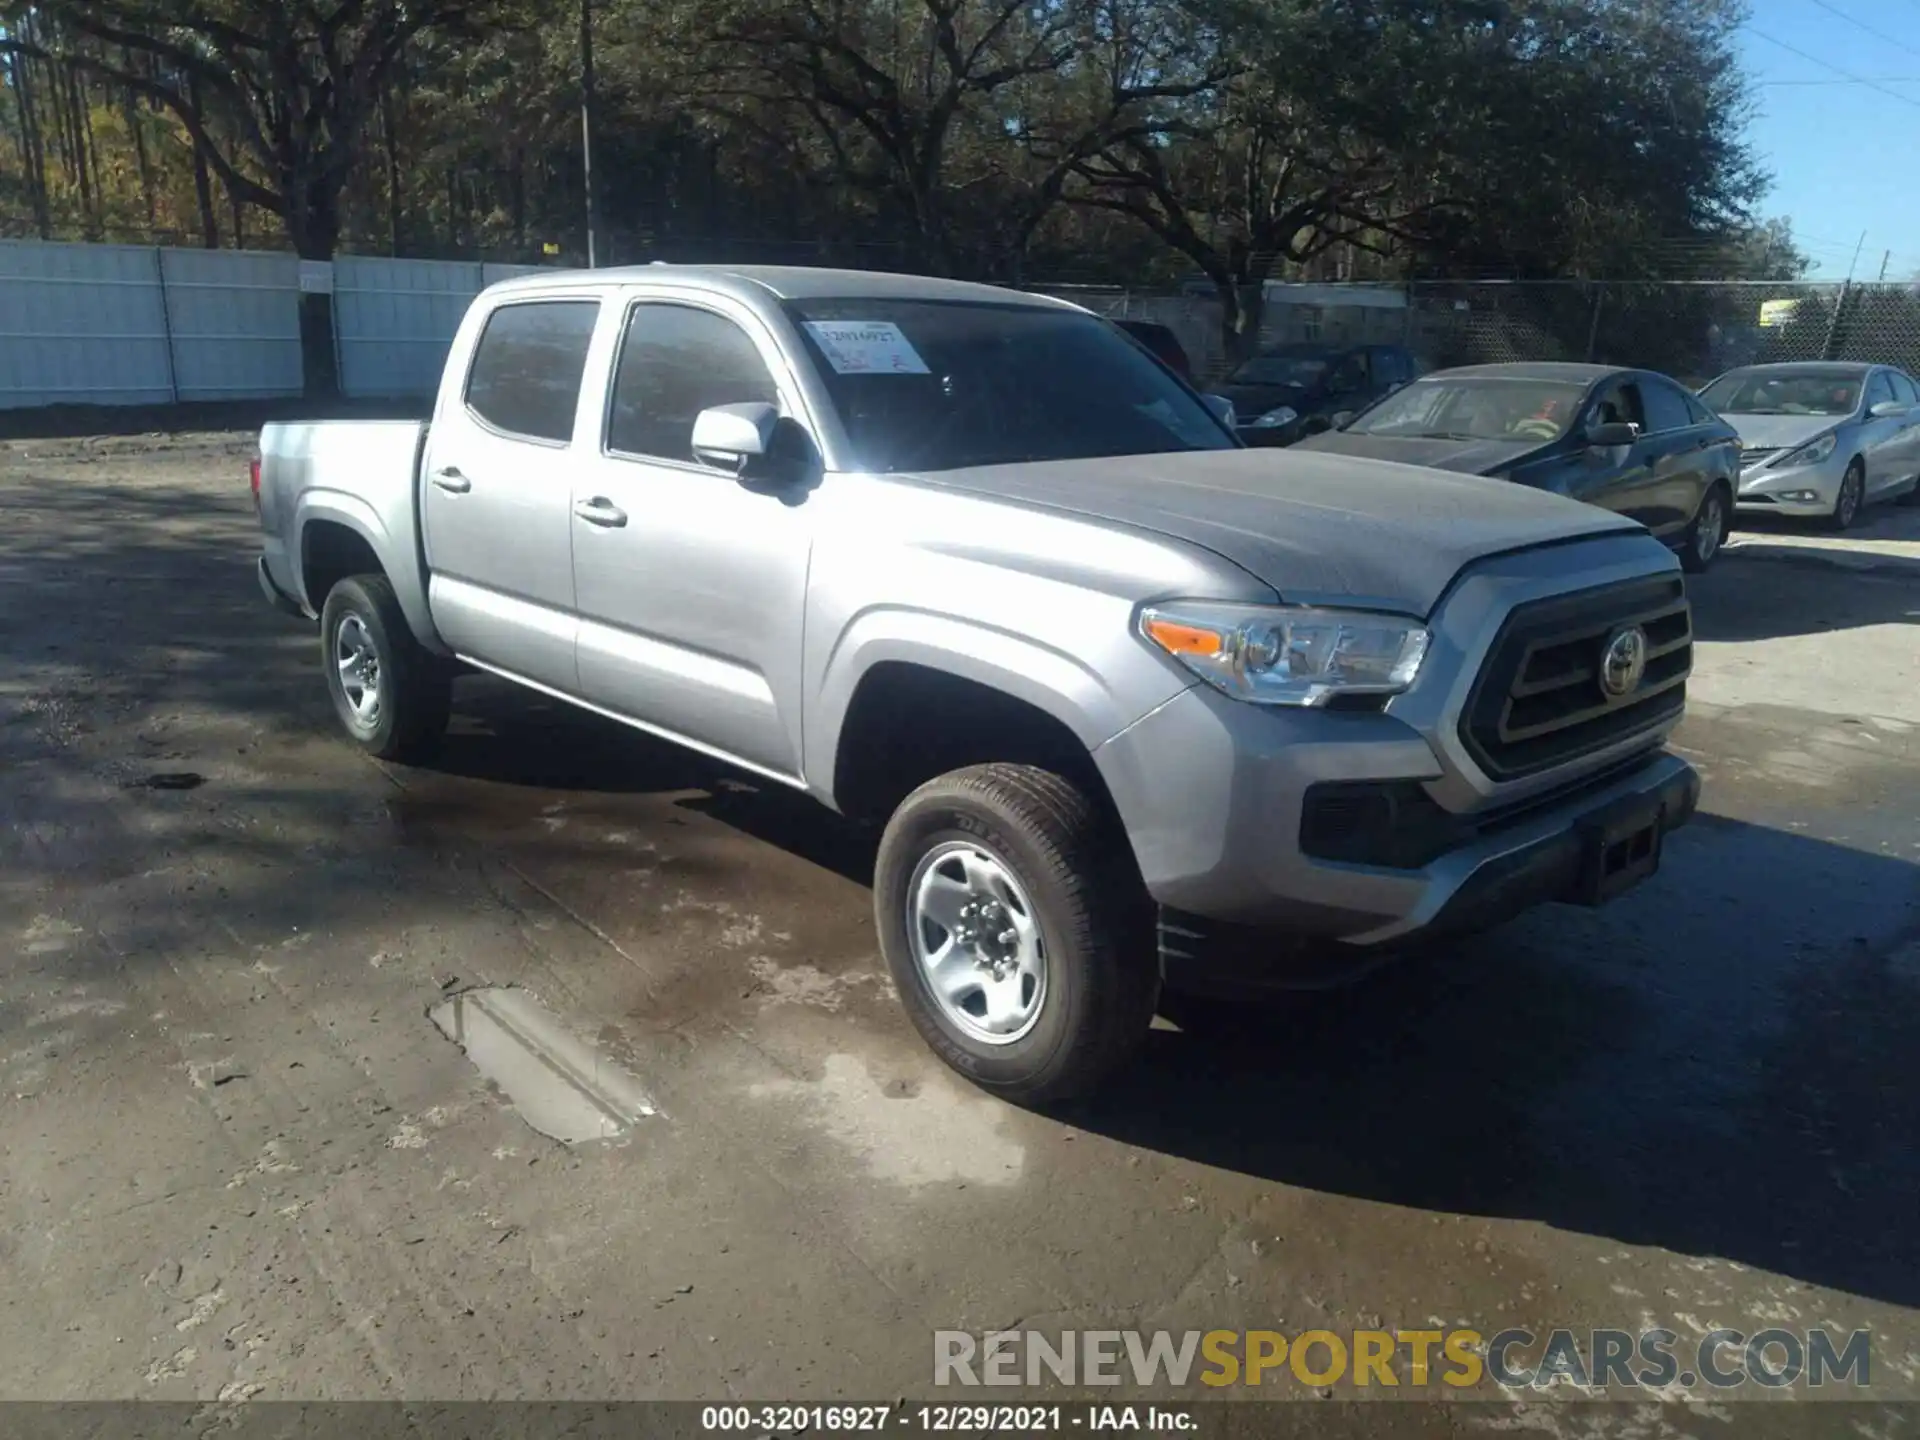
column 1441, row 1360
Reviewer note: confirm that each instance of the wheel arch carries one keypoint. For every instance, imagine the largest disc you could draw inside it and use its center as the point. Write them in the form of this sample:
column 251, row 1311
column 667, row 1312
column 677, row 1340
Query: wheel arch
column 339, row 535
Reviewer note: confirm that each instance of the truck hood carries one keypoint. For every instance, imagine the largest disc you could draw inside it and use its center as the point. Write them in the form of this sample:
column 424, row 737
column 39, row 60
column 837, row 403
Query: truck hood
column 1468, row 457
column 1320, row 529
column 1782, row 432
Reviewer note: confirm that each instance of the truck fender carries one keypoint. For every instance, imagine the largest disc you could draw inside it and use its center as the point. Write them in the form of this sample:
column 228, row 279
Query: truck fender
column 397, row 558
column 1051, row 680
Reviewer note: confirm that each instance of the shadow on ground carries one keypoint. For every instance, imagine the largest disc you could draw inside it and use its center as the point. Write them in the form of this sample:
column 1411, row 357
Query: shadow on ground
column 1795, row 593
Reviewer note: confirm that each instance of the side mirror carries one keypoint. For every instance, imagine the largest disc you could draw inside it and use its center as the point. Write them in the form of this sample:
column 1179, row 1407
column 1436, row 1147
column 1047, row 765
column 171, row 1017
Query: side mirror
column 1888, row 410
column 733, row 436
column 1618, row 432
column 1222, row 409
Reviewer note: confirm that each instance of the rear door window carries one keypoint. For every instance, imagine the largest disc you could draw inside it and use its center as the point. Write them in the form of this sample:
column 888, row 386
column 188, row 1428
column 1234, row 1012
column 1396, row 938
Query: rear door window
column 1666, row 406
column 1879, row 389
column 1903, row 389
column 527, row 368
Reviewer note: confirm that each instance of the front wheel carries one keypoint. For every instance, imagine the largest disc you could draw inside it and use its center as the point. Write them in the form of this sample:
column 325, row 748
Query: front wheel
column 1853, row 493
column 1016, row 930
column 390, row 694
column 1707, row 533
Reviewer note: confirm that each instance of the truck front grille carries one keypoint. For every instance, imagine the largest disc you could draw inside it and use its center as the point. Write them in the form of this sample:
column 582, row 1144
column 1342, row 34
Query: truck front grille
column 1540, row 700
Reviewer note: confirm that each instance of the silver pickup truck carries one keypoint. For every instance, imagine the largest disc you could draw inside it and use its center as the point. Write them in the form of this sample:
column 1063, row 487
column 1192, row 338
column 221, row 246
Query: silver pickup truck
column 1136, row 706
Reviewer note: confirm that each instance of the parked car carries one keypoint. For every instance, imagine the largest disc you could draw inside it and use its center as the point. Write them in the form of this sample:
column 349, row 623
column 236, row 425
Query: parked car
column 972, row 566
column 1292, row 391
column 1162, row 344
column 1821, row 440
column 1625, row 440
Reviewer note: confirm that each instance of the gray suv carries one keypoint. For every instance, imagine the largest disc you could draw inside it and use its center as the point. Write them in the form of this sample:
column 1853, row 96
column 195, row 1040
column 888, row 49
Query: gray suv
column 1135, row 706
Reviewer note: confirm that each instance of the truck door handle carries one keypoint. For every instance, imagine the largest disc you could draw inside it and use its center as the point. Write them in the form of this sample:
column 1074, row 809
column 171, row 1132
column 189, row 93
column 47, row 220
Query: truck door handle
column 602, row 512
column 452, row 481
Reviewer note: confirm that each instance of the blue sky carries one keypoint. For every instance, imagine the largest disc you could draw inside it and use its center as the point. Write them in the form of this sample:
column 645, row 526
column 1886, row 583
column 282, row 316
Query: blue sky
column 1845, row 156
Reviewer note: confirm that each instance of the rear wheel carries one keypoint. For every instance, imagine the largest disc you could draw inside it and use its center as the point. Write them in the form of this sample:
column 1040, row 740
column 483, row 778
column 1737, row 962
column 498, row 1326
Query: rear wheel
column 391, row 695
column 1018, row 934
column 1853, row 494
column 1708, row 532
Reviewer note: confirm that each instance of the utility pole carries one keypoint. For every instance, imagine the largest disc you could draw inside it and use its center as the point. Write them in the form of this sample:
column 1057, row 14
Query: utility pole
column 586, row 133
column 1884, row 261
column 1840, row 305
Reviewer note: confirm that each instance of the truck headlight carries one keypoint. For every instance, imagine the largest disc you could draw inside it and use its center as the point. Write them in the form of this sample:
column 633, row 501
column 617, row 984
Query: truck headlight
column 1278, row 416
column 1278, row 655
column 1812, row 453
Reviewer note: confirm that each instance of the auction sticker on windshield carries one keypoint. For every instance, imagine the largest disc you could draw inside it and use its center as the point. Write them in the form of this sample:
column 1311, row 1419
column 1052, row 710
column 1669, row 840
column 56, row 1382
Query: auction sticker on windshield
column 866, row 347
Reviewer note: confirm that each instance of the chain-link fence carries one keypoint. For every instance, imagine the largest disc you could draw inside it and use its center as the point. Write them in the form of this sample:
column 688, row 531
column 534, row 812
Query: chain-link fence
column 1331, row 314
column 1692, row 330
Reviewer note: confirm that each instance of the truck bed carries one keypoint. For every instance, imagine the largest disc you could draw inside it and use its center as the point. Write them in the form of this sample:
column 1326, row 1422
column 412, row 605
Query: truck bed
column 361, row 475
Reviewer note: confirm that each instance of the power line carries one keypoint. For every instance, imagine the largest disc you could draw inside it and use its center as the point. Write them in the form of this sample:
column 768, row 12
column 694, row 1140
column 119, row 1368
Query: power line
column 1875, row 80
column 1861, row 24
column 1828, row 65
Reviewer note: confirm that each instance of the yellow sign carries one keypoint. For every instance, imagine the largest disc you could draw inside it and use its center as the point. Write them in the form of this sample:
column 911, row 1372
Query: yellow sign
column 552, row 249
column 1777, row 312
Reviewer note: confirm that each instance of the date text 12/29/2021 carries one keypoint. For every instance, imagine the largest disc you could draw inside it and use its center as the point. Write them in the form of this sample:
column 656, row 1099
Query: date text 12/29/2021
column 772, row 1420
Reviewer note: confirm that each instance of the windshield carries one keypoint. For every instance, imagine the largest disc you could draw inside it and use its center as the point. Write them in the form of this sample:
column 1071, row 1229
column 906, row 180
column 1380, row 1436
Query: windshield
column 938, row 385
column 1301, row 370
column 1784, row 392
column 1477, row 408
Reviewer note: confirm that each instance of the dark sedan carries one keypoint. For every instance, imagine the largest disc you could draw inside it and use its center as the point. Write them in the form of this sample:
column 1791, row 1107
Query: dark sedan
column 1625, row 440
column 1294, row 390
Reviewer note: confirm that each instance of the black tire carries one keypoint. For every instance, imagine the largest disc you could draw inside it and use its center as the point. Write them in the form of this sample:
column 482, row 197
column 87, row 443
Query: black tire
column 1094, row 918
column 1844, row 515
column 414, row 689
column 1707, row 534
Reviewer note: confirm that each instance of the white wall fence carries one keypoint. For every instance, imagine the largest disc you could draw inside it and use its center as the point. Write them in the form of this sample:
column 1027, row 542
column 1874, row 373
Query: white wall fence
column 129, row 325
column 393, row 320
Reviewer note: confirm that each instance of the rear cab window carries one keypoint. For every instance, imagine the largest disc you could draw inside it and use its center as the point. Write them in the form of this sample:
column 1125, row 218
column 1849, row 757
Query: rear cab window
column 525, row 378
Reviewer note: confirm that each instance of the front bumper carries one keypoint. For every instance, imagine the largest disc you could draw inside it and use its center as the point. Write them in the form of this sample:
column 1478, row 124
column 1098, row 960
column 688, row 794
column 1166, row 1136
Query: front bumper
column 1212, row 792
column 1764, row 491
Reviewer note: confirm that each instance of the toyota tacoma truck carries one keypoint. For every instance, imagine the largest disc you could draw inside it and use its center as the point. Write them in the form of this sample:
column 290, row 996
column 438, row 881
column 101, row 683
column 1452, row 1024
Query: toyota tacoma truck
column 1134, row 705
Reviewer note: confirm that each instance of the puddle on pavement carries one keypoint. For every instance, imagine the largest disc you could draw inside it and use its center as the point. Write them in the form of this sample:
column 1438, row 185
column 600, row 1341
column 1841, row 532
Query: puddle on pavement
column 561, row 1085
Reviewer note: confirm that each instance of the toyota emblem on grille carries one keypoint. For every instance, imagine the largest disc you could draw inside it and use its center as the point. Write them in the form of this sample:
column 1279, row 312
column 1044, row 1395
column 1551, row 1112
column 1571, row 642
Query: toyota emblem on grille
column 1624, row 662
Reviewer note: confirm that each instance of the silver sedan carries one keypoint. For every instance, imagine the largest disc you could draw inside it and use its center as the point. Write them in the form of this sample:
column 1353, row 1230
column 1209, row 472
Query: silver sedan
column 1821, row 440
